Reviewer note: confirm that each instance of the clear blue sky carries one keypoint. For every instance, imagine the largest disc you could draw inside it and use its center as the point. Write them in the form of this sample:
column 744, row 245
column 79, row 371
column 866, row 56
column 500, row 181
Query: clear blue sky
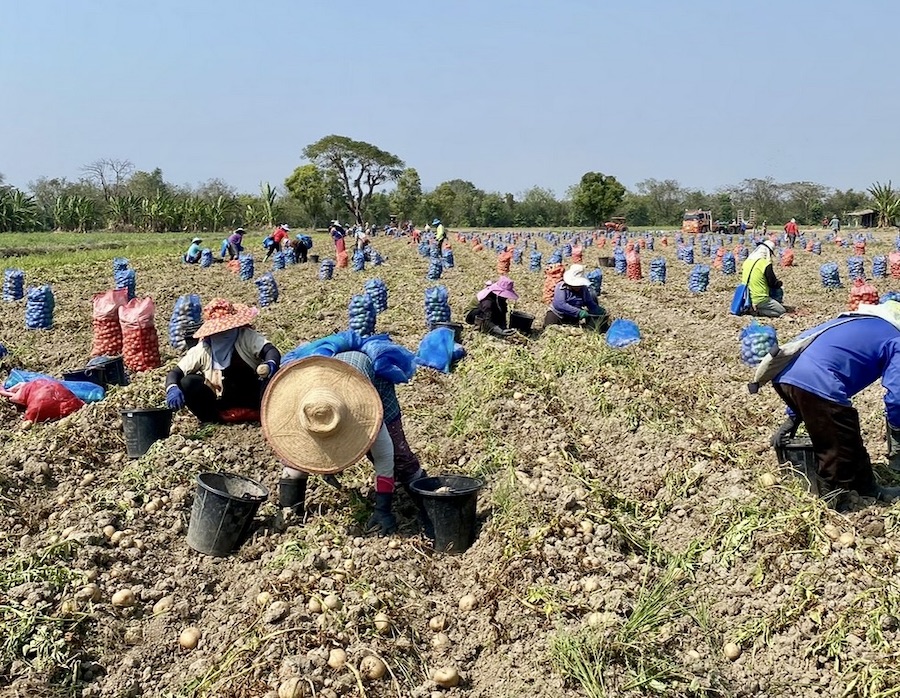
column 505, row 93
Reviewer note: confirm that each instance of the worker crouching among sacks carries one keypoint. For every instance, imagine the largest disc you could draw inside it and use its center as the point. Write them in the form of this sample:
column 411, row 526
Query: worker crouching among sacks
column 323, row 413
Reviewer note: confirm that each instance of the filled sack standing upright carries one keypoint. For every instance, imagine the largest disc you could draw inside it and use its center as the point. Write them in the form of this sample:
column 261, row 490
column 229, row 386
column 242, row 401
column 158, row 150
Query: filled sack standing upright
column 105, row 323
column 140, row 342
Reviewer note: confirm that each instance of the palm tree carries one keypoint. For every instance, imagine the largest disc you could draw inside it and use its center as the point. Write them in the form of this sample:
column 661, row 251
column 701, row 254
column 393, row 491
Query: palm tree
column 886, row 202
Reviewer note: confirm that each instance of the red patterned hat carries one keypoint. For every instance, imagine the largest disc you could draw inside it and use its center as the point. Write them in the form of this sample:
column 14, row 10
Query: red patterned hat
column 221, row 315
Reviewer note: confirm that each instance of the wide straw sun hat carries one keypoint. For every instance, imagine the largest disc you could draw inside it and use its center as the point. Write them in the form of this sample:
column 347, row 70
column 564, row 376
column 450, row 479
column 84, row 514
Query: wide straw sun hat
column 221, row 315
column 574, row 276
column 320, row 415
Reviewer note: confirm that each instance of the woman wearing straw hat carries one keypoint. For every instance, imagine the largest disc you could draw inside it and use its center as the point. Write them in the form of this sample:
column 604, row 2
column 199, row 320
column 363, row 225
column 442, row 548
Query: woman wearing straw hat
column 491, row 314
column 219, row 378
column 322, row 414
column 192, row 256
column 573, row 301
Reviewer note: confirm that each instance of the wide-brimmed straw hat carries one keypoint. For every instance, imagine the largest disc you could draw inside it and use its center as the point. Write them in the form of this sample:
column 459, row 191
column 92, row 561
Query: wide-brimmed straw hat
column 221, row 315
column 196, row 240
column 320, row 415
column 574, row 276
column 502, row 287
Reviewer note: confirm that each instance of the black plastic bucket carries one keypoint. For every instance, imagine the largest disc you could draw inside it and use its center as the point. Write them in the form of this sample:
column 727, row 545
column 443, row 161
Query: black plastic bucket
column 455, row 326
column 449, row 501
column 606, row 261
column 521, row 321
column 314, row 259
column 224, row 507
column 113, row 369
column 143, row 428
column 89, row 374
column 798, row 453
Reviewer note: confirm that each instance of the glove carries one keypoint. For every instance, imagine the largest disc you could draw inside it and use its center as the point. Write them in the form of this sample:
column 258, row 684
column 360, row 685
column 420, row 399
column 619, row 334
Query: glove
column 582, row 314
column 382, row 521
column 266, row 370
column 174, row 397
column 787, row 430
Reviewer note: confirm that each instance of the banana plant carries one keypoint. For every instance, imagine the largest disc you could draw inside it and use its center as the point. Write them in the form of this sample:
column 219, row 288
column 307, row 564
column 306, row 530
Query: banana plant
column 221, row 210
column 886, row 203
column 18, row 211
column 268, row 194
column 124, row 211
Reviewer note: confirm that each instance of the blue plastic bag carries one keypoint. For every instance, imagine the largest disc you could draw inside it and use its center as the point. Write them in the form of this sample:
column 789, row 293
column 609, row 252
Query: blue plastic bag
column 436, row 349
column 622, row 333
column 83, row 390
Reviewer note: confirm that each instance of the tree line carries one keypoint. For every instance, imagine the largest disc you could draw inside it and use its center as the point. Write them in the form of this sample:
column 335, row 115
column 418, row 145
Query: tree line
column 356, row 181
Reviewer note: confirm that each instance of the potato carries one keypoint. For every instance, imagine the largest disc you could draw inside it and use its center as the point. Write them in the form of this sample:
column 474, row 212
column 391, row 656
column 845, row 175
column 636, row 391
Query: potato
column 314, row 605
column 332, row 602
column 382, row 623
column 164, row 605
column 437, row 623
column 767, row 479
column 337, row 658
column 446, row 677
column 731, row 650
column 189, row 638
column 292, row 688
column 372, row 668
column 847, row 539
column 123, row 598
column 263, row 598
column 467, row 603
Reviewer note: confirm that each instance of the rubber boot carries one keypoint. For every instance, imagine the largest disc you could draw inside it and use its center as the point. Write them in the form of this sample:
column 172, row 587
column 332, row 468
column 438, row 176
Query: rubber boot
column 292, row 494
column 383, row 522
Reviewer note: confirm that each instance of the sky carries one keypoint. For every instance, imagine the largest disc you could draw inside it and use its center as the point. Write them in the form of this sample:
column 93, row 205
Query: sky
column 507, row 94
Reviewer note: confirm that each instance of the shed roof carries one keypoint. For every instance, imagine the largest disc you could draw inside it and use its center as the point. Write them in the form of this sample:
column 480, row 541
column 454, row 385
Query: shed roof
column 861, row 212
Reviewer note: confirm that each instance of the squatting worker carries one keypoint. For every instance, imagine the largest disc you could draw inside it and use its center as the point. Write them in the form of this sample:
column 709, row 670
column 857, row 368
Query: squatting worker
column 574, row 301
column 192, row 256
column 233, row 245
column 852, row 352
column 219, row 378
column 323, row 414
column 491, row 313
column 757, row 272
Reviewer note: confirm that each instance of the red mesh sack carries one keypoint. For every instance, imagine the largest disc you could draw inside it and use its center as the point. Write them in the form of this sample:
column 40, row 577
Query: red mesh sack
column 894, row 261
column 717, row 262
column 859, row 247
column 633, row 265
column 234, row 266
column 862, row 292
column 552, row 276
column 787, row 258
column 477, row 247
column 140, row 342
column 809, row 245
column 105, row 322
column 601, row 242
column 504, row 259
column 44, row 399
column 343, row 259
column 577, row 254
column 664, row 241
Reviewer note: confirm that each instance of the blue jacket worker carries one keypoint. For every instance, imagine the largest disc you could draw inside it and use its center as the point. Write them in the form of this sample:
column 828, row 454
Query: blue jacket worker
column 574, row 301
column 192, row 256
column 852, row 352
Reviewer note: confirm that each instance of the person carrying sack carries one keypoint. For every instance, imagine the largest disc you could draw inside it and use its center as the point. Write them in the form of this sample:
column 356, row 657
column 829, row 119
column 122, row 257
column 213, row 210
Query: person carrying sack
column 817, row 376
column 758, row 275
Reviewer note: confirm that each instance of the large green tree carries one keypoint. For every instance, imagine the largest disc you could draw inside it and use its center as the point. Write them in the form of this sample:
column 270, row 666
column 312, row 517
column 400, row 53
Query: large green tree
column 360, row 167
column 307, row 186
column 664, row 200
column 596, row 197
column 407, row 197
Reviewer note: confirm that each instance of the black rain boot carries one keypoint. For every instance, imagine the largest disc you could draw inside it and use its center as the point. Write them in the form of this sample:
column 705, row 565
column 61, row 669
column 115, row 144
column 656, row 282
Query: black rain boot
column 382, row 520
column 292, row 494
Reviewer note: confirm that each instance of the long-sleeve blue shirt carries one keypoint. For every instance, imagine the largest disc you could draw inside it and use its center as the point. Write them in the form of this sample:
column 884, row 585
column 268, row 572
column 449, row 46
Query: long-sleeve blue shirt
column 846, row 359
column 568, row 300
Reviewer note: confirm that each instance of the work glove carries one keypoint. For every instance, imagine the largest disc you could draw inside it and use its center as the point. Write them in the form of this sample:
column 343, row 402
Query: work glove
column 893, row 448
column 786, row 431
column 582, row 314
column 267, row 369
column 174, row 397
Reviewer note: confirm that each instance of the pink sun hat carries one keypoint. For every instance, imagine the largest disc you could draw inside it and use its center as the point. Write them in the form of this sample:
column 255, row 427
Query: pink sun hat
column 503, row 287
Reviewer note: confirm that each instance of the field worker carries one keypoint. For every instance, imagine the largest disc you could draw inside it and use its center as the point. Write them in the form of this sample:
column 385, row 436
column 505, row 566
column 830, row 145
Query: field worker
column 362, row 239
column 278, row 237
column 574, row 302
column 233, row 244
column 337, row 234
column 758, row 274
column 219, row 378
column 853, row 351
column 440, row 235
column 835, row 224
column 790, row 229
column 301, row 245
column 322, row 414
column 192, row 256
column 491, row 313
